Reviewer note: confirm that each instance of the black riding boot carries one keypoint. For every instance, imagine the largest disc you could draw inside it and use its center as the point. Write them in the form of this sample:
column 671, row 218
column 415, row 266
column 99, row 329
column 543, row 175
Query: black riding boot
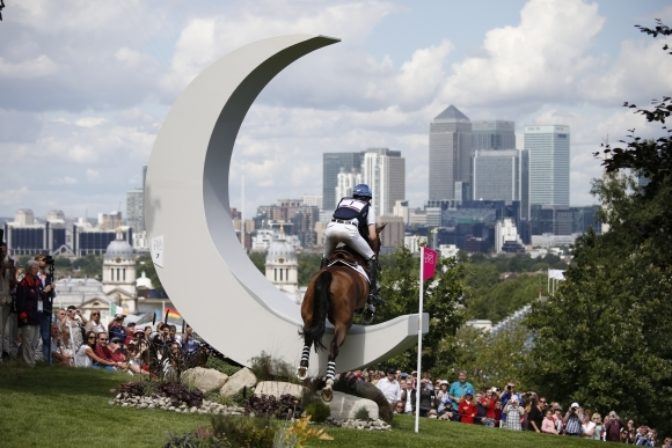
column 374, row 298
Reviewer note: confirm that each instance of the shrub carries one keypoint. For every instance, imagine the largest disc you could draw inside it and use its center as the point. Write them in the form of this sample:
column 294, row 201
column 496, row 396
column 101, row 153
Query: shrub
column 243, row 432
column 265, row 368
column 179, row 393
column 286, row 407
column 318, row 411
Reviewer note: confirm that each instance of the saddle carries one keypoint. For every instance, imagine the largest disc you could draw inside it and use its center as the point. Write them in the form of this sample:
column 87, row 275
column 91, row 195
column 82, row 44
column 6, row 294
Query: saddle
column 345, row 257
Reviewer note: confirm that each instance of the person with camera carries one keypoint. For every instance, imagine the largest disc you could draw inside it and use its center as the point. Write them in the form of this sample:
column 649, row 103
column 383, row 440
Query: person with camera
column 28, row 300
column 46, row 279
column 7, row 285
column 572, row 420
column 75, row 324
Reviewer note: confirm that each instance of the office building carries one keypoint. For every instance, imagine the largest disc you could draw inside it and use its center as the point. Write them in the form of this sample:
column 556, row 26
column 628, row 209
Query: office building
column 547, row 149
column 345, row 182
column 89, row 240
column 450, row 152
column 332, row 163
column 28, row 236
column 135, row 210
column 496, row 175
column 494, row 134
column 385, row 173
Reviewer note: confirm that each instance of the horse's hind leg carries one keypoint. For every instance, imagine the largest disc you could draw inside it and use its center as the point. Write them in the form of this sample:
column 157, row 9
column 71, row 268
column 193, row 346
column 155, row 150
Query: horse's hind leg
column 302, row 371
column 336, row 343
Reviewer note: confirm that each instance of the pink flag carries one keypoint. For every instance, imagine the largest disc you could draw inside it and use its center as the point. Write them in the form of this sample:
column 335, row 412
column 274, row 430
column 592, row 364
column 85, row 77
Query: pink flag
column 430, row 259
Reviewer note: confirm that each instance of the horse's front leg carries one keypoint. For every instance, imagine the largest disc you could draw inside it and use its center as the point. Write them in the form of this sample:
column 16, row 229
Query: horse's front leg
column 336, row 343
column 302, row 371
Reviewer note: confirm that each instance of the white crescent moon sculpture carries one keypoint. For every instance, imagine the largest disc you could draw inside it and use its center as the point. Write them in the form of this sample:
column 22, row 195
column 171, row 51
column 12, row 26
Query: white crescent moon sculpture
column 197, row 255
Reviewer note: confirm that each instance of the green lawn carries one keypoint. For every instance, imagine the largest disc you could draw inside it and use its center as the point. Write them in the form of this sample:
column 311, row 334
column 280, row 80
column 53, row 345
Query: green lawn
column 69, row 407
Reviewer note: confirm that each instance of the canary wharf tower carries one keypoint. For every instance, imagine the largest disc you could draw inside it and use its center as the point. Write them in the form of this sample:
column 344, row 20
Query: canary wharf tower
column 450, row 152
column 548, row 151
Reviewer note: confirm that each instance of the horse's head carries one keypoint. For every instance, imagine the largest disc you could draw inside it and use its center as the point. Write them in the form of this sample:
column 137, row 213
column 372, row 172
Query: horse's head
column 376, row 243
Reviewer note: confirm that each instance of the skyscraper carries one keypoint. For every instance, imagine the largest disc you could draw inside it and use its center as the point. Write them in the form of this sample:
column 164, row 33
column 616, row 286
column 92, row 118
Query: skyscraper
column 332, row 163
column 450, row 152
column 135, row 209
column 493, row 134
column 384, row 171
column 547, row 147
column 496, row 175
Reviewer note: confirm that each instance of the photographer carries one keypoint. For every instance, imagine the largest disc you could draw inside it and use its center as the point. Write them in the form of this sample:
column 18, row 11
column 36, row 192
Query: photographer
column 45, row 262
column 7, row 285
column 28, row 299
column 573, row 419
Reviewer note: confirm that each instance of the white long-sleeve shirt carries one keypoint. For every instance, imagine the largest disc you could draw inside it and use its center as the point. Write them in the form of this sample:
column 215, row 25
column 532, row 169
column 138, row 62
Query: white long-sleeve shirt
column 390, row 389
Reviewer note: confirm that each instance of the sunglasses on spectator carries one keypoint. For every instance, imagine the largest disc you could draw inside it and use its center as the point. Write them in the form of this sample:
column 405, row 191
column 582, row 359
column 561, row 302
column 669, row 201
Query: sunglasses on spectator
column 102, row 339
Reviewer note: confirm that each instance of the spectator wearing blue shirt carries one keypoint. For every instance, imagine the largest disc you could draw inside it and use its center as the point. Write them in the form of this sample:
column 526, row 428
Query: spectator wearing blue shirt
column 458, row 389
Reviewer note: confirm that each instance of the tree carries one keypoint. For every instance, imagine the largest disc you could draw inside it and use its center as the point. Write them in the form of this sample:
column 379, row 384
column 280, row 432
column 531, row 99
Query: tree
column 604, row 339
column 443, row 301
column 145, row 264
column 89, row 265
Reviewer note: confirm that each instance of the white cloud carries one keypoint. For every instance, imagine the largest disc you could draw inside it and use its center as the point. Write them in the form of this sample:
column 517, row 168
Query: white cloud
column 65, row 180
column 204, row 39
column 92, row 175
column 89, row 122
column 37, row 67
column 641, row 72
column 14, row 197
column 541, row 58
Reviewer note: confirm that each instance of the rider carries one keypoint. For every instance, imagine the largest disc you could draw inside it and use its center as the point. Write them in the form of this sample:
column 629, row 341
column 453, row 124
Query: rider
column 354, row 223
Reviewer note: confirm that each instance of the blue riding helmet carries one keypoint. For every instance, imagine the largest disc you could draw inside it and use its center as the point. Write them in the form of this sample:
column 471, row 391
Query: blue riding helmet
column 362, row 191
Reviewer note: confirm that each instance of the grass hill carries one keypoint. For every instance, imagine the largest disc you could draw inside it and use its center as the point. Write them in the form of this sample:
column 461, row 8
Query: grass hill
column 61, row 407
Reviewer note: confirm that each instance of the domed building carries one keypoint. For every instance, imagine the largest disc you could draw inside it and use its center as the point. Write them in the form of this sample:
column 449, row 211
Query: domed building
column 282, row 267
column 119, row 274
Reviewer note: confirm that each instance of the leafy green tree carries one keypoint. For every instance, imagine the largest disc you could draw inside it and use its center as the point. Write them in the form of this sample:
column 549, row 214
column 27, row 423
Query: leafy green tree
column 89, row 265
column 144, row 264
column 259, row 260
column 489, row 360
column 604, row 339
column 443, row 301
column 505, row 297
column 309, row 264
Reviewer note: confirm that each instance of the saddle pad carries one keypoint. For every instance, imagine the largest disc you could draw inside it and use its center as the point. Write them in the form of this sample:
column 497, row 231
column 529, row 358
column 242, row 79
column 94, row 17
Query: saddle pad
column 355, row 267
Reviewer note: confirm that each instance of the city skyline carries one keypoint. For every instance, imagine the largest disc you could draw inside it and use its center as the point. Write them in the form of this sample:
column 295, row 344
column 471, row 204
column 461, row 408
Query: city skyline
column 86, row 87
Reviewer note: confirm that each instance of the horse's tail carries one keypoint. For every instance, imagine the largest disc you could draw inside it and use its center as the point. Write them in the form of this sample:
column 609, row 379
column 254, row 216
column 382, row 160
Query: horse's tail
column 321, row 301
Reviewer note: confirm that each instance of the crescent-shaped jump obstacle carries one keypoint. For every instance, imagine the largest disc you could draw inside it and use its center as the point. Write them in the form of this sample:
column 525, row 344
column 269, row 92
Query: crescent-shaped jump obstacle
column 197, row 255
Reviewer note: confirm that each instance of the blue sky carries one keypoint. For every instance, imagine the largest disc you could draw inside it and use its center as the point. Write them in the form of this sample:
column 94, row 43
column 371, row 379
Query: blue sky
column 86, row 85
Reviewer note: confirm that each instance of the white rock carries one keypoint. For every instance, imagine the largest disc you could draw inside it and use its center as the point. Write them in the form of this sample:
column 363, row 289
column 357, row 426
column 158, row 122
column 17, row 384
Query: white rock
column 278, row 388
column 345, row 407
column 236, row 382
column 206, row 380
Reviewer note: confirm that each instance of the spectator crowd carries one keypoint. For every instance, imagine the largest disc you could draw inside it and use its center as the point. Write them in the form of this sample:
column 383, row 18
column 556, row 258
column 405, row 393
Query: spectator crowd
column 31, row 331
column 504, row 408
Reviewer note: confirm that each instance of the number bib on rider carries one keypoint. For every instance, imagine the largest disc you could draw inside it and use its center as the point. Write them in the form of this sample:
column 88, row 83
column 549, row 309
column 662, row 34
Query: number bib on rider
column 349, row 208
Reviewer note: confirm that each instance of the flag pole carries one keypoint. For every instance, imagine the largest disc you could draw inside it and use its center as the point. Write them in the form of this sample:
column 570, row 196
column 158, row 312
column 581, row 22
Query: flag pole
column 419, row 367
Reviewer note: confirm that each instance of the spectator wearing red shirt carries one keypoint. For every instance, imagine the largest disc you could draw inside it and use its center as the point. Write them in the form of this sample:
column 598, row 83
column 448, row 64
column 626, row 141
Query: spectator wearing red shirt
column 105, row 355
column 492, row 408
column 466, row 408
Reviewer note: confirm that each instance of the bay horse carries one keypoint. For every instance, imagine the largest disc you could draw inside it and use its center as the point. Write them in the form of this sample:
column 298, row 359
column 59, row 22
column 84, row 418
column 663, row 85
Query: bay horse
column 334, row 293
